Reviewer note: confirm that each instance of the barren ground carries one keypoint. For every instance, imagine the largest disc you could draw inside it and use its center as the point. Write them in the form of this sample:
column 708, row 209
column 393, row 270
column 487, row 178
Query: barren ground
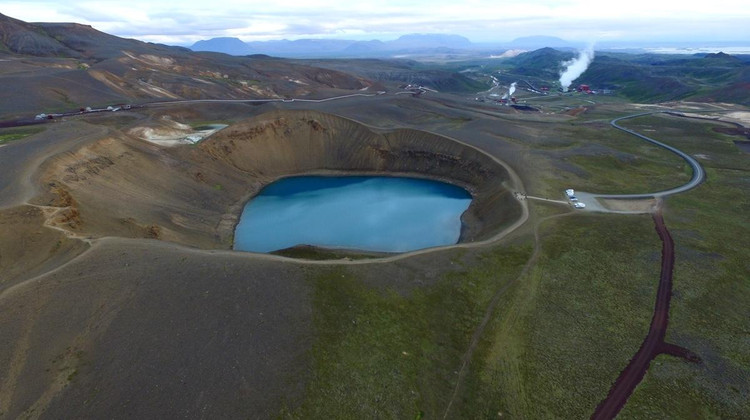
column 119, row 296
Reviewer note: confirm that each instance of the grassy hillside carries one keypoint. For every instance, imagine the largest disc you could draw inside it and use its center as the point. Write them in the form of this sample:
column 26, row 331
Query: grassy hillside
column 638, row 77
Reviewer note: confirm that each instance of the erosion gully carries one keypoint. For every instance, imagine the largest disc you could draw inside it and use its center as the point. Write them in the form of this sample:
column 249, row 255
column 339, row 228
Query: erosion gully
column 654, row 344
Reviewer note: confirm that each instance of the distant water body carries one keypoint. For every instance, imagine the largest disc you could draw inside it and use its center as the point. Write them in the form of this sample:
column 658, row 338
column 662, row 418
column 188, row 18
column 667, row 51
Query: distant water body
column 387, row 214
column 700, row 50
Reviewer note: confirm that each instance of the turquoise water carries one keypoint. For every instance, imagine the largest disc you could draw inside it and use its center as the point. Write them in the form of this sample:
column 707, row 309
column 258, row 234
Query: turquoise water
column 387, row 214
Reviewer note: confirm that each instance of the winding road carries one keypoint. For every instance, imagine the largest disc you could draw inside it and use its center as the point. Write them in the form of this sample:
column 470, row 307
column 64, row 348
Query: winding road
column 32, row 121
column 698, row 173
column 654, row 344
column 591, row 200
column 195, row 101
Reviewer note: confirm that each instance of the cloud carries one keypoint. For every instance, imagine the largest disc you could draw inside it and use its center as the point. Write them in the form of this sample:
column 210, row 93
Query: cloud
column 480, row 20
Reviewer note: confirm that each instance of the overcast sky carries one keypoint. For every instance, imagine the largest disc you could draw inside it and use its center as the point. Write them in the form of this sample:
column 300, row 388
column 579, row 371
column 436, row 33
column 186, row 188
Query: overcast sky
column 186, row 21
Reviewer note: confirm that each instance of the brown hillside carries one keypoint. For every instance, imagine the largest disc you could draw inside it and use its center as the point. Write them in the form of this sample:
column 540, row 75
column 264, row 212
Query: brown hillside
column 24, row 38
column 53, row 67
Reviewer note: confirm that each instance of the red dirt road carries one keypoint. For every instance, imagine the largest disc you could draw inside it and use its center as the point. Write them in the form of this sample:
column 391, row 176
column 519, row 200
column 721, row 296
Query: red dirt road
column 654, row 343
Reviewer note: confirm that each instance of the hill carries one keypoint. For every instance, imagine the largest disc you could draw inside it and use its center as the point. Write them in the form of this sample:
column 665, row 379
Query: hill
column 23, row 38
column 68, row 40
column 716, row 77
column 652, row 78
column 543, row 63
column 541, row 41
column 51, row 67
column 232, row 46
column 416, row 41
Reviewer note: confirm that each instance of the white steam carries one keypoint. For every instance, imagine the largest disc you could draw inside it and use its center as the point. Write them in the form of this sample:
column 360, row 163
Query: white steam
column 575, row 67
column 512, row 89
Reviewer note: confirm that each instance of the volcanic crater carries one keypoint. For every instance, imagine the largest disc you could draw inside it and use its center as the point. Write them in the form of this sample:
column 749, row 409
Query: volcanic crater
column 194, row 195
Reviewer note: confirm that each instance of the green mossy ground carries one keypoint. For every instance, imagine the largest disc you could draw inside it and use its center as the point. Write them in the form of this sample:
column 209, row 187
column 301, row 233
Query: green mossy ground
column 709, row 312
column 8, row 135
column 564, row 329
column 380, row 354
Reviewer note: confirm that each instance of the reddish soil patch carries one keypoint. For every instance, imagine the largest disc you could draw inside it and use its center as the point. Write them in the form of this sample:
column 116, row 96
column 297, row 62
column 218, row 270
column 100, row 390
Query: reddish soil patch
column 576, row 111
column 654, row 343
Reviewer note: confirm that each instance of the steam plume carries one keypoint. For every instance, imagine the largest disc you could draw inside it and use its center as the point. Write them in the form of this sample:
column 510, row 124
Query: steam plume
column 512, row 89
column 575, row 67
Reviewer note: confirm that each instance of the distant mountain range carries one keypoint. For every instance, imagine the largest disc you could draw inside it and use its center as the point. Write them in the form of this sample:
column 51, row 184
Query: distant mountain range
column 408, row 45
column 48, row 67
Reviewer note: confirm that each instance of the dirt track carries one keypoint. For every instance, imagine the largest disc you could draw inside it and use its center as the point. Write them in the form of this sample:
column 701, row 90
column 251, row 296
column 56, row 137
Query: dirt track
column 490, row 310
column 653, row 344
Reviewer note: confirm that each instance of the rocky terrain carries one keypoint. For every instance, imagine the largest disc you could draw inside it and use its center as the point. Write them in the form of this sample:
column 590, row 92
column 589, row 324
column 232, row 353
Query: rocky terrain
column 55, row 67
